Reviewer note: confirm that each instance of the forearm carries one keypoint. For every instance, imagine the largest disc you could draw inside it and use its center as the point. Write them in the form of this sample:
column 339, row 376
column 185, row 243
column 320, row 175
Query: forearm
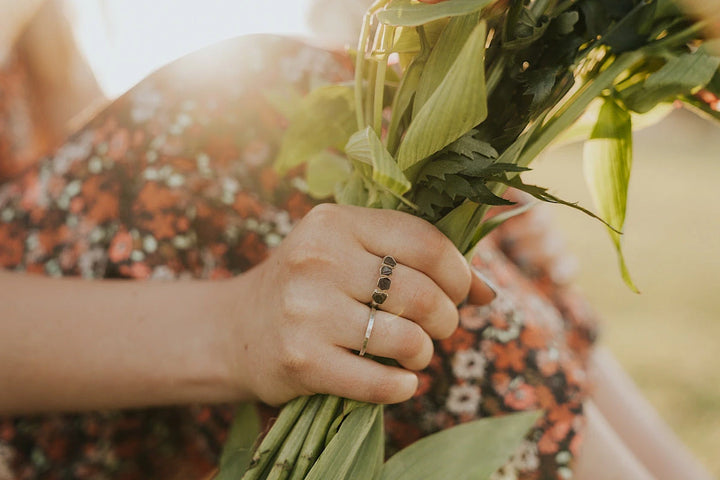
column 70, row 344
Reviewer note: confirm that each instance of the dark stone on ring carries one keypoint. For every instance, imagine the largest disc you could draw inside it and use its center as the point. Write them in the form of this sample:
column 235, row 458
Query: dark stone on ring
column 383, row 283
column 389, row 261
column 385, row 270
column 379, row 297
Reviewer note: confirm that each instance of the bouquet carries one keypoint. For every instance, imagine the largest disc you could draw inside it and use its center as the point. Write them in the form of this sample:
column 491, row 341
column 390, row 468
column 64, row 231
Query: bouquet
column 451, row 102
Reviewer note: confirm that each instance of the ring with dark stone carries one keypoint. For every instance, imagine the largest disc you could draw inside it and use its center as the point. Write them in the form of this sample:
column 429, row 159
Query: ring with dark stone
column 383, row 283
column 386, row 271
column 378, row 297
column 389, row 261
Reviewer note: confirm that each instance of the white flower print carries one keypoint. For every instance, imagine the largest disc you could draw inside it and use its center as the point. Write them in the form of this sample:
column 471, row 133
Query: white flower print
column 469, row 364
column 463, row 399
column 526, row 457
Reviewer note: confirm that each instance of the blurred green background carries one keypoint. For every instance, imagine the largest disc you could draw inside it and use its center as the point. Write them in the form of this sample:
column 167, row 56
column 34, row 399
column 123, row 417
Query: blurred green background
column 668, row 337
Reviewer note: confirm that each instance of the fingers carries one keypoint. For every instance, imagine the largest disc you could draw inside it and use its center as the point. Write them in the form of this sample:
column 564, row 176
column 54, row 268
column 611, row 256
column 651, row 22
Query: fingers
column 368, row 380
column 414, row 243
column 482, row 289
column 391, row 337
column 412, row 294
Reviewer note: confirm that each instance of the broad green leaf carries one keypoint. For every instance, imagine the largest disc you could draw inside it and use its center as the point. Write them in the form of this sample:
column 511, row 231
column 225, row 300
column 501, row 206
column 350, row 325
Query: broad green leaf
column 325, row 171
column 470, row 451
column 407, row 39
column 607, row 165
column 455, row 224
column 458, row 104
column 687, row 71
column 365, row 146
column 443, row 55
column 336, row 461
column 352, row 192
column 403, row 98
column 407, row 13
column 325, row 118
column 237, row 451
column 681, row 75
column 369, row 459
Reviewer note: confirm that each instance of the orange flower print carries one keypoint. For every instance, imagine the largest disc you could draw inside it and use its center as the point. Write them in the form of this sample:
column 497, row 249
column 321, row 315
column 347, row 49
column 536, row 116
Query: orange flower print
column 521, row 397
column 121, row 246
column 460, row 340
column 509, row 356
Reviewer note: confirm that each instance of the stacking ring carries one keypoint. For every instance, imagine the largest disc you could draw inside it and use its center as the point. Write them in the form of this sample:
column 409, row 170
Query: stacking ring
column 368, row 330
column 379, row 295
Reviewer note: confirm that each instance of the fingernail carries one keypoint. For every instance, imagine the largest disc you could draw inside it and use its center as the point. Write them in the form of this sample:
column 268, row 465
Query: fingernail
column 490, row 284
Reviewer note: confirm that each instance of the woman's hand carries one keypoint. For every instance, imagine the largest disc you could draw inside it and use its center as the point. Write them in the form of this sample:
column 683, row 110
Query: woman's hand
column 300, row 332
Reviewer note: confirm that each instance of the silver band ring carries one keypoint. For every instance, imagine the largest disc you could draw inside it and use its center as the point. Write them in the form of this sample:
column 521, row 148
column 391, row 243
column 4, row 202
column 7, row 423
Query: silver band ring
column 368, row 330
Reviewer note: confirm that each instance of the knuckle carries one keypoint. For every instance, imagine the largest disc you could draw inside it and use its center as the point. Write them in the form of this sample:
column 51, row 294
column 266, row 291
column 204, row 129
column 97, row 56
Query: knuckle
column 323, row 214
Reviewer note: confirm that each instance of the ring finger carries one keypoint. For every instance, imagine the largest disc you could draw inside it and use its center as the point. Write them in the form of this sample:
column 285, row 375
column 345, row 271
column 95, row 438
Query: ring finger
column 391, row 336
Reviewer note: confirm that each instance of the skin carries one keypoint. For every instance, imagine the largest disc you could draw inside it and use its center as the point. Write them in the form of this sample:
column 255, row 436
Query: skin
column 286, row 328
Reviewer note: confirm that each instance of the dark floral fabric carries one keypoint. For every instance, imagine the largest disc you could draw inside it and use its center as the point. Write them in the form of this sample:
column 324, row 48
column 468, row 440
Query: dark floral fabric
column 175, row 180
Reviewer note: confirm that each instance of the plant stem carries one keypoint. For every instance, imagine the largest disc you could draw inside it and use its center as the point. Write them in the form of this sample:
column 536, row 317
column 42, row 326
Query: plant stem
column 315, row 440
column 275, row 437
column 290, row 450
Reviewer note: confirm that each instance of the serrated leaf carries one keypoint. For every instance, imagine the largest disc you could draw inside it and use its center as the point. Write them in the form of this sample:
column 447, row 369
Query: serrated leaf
column 406, row 13
column 443, row 55
column 541, row 193
column 365, row 146
column 238, row 448
column 454, row 453
column 441, row 167
column 607, row 164
column 467, row 145
column 324, row 172
column 458, row 104
column 325, row 118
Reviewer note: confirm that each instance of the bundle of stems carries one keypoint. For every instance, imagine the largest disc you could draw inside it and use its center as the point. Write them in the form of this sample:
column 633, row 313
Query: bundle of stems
column 451, row 103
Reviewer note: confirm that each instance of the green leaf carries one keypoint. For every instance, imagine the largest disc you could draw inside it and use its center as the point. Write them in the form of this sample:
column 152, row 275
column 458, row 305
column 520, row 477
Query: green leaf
column 607, row 165
column 470, row 451
column 325, row 118
column 443, row 55
column 324, row 172
column 494, row 222
column 369, row 459
column 365, row 146
column 680, row 75
column 406, row 13
column 336, row 461
column 455, row 224
column 458, row 104
column 352, row 192
column 237, row 451
column 468, row 145
column 542, row 193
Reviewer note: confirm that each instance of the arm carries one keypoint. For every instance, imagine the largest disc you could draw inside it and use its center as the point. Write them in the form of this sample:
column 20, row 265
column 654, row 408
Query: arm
column 283, row 329
column 71, row 344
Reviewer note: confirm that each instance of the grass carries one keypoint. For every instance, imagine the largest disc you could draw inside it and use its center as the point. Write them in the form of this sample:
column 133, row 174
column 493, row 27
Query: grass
column 668, row 337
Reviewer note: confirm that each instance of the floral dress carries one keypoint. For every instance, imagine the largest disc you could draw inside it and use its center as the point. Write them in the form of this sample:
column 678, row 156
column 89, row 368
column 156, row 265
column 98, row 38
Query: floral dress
column 175, row 180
